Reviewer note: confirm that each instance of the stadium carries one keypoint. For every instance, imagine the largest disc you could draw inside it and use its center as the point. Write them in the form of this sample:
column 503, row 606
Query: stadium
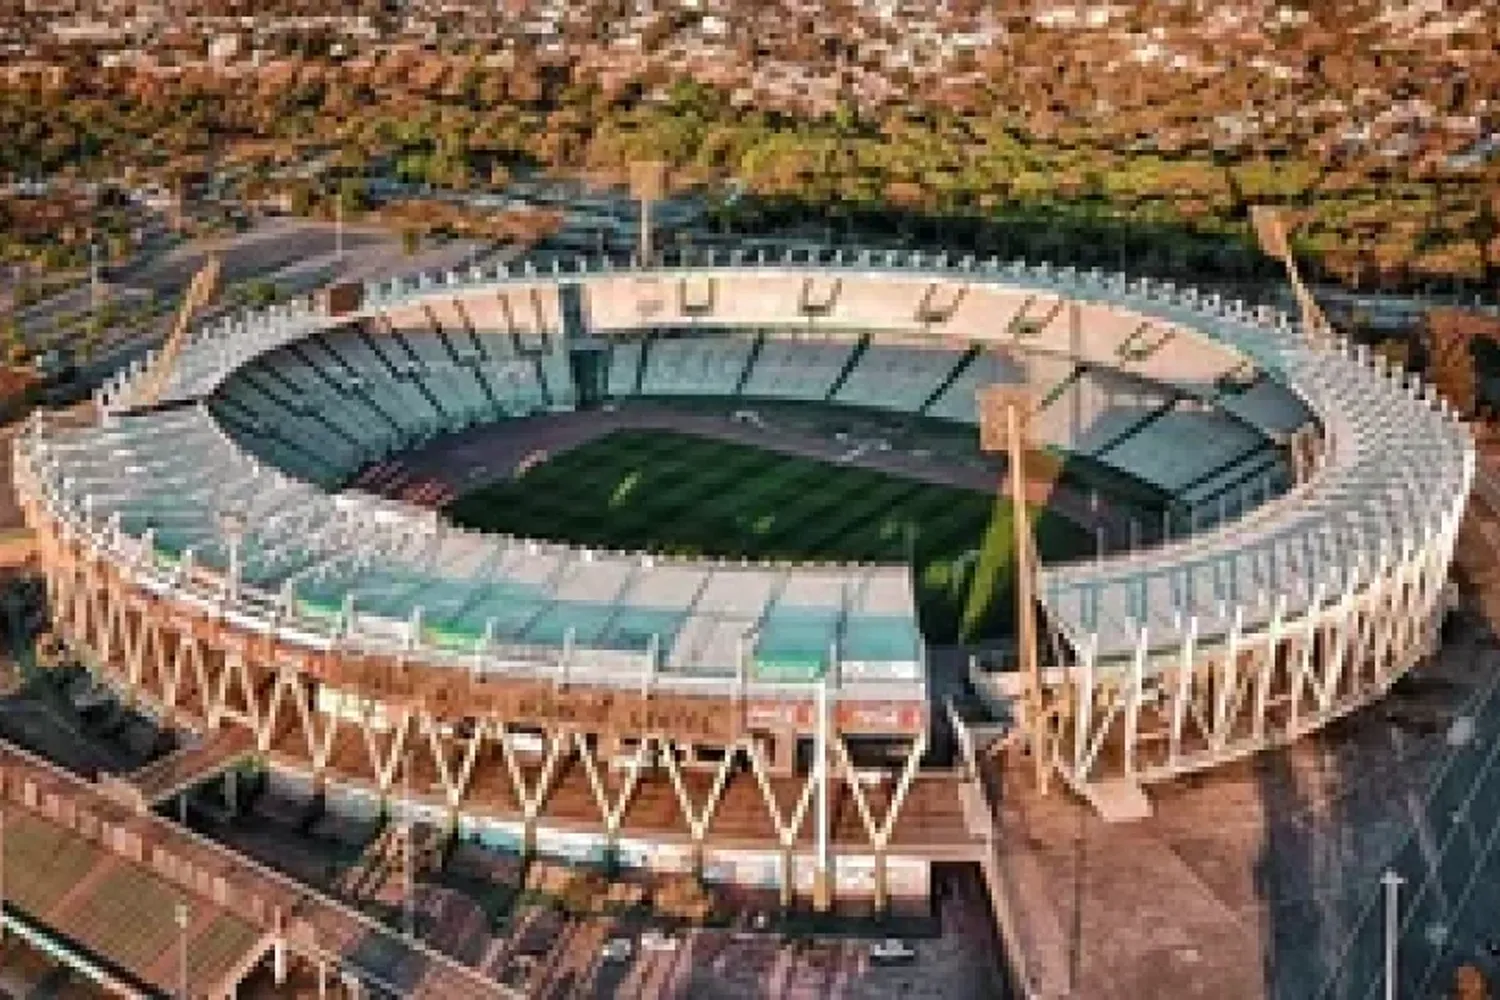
column 1244, row 533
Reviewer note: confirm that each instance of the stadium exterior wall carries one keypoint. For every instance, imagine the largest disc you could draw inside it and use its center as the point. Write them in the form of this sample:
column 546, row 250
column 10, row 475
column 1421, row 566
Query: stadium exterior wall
column 1271, row 675
column 195, row 672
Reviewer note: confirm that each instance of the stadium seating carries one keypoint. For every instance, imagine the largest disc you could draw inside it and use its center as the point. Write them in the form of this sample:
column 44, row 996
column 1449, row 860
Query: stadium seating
column 556, row 374
column 1180, row 447
column 803, row 368
column 455, row 387
column 958, row 402
column 1267, row 406
column 304, row 380
column 514, row 383
column 282, row 424
column 388, row 379
column 695, row 366
column 1094, row 409
column 897, row 377
column 1195, row 455
column 1234, row 490
column 624, row 368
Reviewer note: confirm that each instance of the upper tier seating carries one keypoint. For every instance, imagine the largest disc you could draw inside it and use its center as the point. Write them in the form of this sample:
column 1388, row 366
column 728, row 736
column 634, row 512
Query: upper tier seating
column 797, row 367
column 175, row 473
column 695, row 366
column 1180, row 447
column 1267, row 406
column 898, row 377
column 1094, row 409
column 624, row 367
column 959, row 401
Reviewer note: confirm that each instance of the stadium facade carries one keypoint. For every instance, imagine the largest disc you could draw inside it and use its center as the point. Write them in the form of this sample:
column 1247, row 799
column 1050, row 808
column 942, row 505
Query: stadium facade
column 764, row 724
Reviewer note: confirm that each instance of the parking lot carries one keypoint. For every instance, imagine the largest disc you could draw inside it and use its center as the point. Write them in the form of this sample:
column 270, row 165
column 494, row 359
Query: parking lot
column 957, row 964
column 481, row 908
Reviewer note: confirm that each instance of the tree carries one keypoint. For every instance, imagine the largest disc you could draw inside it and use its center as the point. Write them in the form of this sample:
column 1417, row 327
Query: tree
column 260, row 293
column 301, row 201
column 411, row 241
column 353, row 195
column 12, row 341
column 1469, row 984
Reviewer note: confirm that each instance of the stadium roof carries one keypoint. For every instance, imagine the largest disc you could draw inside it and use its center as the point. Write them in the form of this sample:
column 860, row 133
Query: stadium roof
column 1392, row 465
column 387, row 575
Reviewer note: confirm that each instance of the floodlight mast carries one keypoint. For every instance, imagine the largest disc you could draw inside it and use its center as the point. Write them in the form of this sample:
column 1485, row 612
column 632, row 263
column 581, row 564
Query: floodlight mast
column 1271, row 232
column 1005, row 413
column 200, row 292
column 648, row 183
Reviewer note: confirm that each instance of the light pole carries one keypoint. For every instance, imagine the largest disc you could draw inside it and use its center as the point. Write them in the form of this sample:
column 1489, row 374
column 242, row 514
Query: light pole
column 182, row 951
column 1392, row 884
column 2, row 872
column 409, row 911
column 1005, row 414
column 232, row 524
column 94, row 289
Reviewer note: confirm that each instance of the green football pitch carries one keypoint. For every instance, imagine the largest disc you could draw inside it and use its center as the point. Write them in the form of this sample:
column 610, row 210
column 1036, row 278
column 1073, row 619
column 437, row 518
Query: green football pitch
column 686, row 495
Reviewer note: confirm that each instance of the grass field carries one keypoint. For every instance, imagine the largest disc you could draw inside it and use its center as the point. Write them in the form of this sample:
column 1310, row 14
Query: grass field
column 687, row 495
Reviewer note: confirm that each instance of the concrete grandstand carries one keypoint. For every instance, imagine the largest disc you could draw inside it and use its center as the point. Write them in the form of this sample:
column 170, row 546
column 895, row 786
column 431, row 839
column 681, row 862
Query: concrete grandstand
column 764, row 724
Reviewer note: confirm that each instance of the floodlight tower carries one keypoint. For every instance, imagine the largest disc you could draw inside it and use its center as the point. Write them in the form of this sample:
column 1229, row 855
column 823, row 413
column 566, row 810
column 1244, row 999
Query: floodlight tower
column 1271, row 231
column 648, row 182
column 1004, row 421
column 200, row 292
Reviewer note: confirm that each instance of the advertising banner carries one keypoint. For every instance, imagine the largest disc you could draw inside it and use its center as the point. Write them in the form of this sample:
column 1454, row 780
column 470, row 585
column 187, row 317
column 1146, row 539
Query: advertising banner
column 569, row 846
column 854, row 874
column 671, row 858
column 908, row 877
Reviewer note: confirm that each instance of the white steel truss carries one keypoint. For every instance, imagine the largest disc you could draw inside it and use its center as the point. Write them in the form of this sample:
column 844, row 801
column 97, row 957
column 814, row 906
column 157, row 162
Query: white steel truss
column 186, row 680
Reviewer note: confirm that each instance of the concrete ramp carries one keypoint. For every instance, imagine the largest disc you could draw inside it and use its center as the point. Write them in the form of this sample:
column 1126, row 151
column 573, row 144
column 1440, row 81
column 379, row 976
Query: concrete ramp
column 1118, row 801
column 17, row 548
column 180, row 770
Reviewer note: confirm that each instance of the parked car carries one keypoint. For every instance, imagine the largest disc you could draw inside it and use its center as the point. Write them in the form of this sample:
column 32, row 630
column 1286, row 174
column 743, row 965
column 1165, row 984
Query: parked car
column 657, row 941
column 892, row 951
column 617, row 950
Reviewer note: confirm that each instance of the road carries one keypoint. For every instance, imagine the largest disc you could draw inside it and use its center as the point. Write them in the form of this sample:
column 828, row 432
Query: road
column 296, row 256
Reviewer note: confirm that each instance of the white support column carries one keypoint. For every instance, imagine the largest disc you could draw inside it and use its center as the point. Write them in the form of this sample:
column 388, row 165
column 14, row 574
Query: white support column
column 1185, row 667
column 1341, row 643
column 822, row 876
column 1133, row 702
column 1083, row 717
column 1226, row 686
column 1267, row 668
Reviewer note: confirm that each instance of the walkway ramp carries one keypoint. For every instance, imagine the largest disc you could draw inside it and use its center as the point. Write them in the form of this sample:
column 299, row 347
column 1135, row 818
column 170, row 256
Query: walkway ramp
column 113, row 919
column 17, row 548
column 167, row 777
column 100, row 884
